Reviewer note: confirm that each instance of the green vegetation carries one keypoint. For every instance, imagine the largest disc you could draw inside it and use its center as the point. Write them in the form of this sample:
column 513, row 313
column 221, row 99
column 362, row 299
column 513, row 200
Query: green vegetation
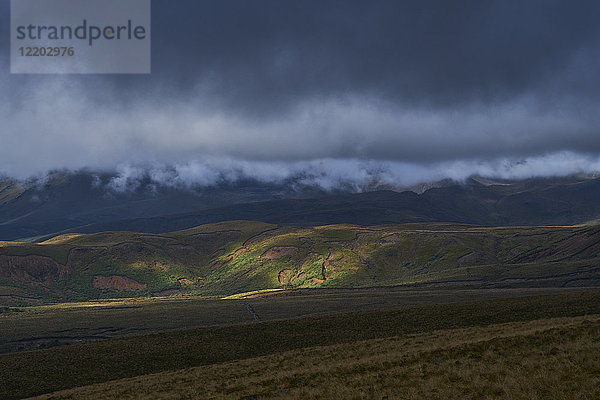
column 241, row 256
column 96, row 362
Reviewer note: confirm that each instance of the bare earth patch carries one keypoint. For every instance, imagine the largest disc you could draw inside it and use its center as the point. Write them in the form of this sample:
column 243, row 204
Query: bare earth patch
column 285, row 276
column 239, row 251
column 118, row 283
column 161, row 266
column 31, row 269
column 281, row 251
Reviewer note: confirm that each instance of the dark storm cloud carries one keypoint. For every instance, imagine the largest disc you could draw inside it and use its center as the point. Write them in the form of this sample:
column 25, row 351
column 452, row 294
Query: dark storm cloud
column 431, row 88
column 263, row 53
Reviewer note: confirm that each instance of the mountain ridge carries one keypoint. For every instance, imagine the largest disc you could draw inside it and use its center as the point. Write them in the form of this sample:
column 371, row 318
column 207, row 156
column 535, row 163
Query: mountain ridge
column 76, row 205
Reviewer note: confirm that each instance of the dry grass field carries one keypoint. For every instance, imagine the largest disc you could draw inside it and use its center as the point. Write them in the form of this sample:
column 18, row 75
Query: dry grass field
column 544, row 359
column 547, row 345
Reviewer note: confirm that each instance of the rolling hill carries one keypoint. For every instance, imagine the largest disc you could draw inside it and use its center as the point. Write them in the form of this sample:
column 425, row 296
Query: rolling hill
column 241, row 256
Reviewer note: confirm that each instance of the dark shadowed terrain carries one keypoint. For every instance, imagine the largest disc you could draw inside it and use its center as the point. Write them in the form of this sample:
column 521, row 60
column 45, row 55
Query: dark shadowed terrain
column 72, row 203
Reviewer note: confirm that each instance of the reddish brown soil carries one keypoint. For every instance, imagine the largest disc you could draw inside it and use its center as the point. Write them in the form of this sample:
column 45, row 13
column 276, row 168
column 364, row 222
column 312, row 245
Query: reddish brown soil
column 184, row 281
column 161, row 266
column 285, row 276
column 239, row 251
column 31, row 269
column 277, row 252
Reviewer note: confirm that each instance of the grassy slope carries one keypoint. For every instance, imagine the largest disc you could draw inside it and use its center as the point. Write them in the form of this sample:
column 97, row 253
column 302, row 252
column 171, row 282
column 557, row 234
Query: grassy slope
column 84, row 364
column 39, row 327
column 543, row 359
column 238, row 256
column 9, row 190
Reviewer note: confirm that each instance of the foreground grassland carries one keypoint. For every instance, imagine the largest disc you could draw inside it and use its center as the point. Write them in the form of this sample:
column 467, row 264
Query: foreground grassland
column 37, row 372
column 39, row 327
column 241, row 256
column 543, row 359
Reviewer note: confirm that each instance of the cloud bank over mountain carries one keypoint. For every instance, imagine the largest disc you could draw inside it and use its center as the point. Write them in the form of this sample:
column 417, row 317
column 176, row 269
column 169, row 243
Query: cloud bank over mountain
column 352, row 175
column 329, row 93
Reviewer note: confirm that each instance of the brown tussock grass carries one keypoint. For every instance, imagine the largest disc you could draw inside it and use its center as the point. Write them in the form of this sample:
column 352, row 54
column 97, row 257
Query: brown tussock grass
column 556, row 358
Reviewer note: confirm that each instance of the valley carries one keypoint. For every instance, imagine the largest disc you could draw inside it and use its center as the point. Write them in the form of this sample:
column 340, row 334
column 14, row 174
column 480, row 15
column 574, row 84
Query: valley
column 399, row 303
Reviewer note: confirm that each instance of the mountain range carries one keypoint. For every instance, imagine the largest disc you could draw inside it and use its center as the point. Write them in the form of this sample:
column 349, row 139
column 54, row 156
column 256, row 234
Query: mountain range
column 78, row 203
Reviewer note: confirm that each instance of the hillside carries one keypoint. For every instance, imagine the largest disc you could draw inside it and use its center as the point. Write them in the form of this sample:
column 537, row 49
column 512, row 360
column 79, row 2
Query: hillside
column 440, row 364
column 64, row 200
column 240, row 256
column 486, row 341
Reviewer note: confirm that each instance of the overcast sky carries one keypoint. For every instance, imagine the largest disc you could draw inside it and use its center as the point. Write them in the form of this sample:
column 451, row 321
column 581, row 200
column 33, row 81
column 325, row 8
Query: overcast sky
column 417, row 89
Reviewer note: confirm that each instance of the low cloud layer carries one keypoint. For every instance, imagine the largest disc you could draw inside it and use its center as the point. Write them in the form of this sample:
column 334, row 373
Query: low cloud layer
column 348, row 174
column 326, row 93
